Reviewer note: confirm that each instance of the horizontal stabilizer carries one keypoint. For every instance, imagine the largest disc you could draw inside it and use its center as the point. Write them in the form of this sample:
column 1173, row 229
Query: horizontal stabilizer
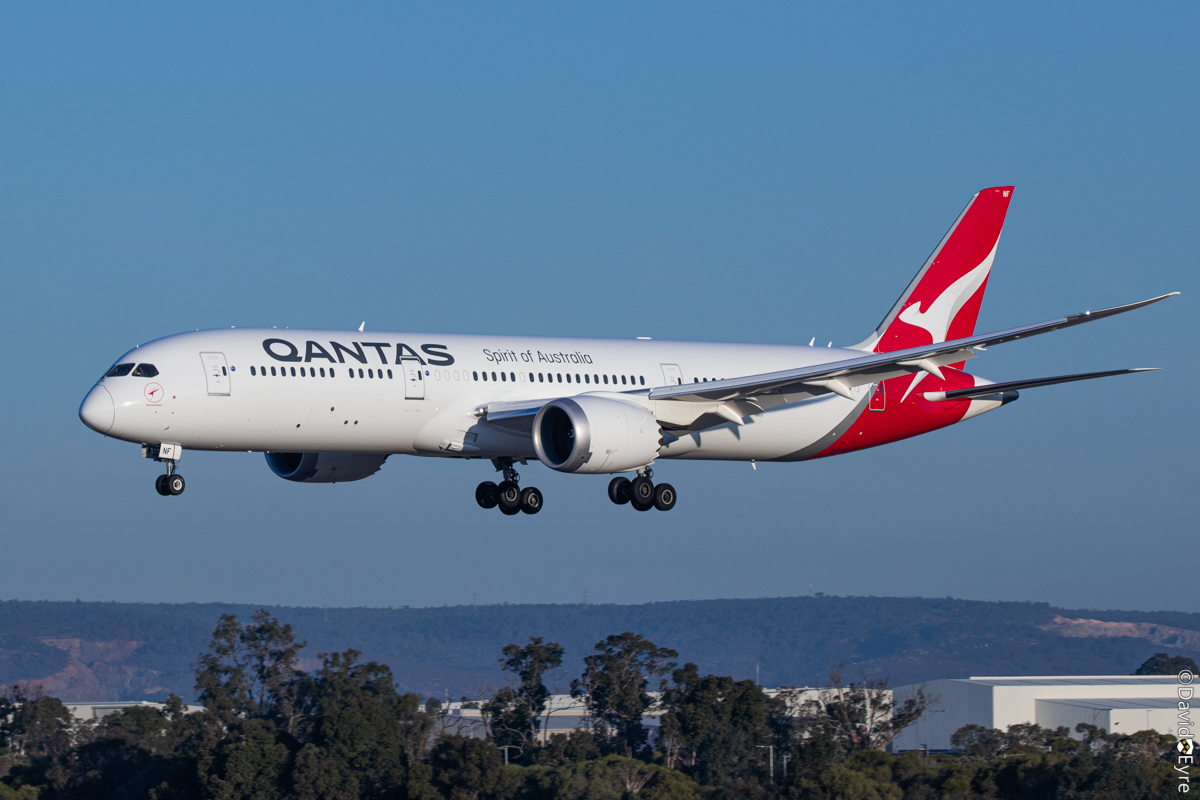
column 1012, row 386
column 879, row 366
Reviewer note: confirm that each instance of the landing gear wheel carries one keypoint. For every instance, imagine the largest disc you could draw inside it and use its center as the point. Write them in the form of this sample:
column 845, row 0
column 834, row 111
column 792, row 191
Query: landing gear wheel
column 618, row 490
column 641, row 506
column 664, row 497
column 641, row 491
column 160, row 485
column 509, row 495
column 485, row 495
column 508, row 512
column 531, row 500
column 175, row 484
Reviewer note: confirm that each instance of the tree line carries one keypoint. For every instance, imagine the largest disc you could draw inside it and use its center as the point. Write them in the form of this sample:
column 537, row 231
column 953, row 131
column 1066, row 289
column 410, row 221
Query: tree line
column 343, row 732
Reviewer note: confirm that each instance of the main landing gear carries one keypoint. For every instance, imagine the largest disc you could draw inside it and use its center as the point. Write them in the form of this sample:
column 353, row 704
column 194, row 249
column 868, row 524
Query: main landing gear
column 510, row 497
column 641, row 492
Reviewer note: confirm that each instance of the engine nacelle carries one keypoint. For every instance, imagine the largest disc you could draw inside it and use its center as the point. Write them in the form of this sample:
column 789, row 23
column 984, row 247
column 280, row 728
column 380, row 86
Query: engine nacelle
column 588, row 434
column 324, row 467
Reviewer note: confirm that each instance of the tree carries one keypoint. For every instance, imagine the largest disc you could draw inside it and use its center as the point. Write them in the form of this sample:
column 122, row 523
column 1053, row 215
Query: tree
column 1162, row 664
column 514, row 711
column 465, row 768
column 863, row 716
column 251, row 670
column 615, row 687
column 714, row 724
column 614, row 778
column 33, row 725
column 364, row 739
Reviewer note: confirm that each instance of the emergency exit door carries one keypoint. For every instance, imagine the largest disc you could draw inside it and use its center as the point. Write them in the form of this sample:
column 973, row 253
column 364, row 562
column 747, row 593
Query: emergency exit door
column 672, row 374
column 414, row 380
column 216, row 372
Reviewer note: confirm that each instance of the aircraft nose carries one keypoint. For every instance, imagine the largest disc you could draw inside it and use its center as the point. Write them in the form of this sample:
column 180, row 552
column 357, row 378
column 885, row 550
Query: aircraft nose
column 98, row 410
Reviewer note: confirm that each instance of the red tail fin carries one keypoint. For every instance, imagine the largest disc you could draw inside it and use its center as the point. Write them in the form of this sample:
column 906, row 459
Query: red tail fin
column 942, row 301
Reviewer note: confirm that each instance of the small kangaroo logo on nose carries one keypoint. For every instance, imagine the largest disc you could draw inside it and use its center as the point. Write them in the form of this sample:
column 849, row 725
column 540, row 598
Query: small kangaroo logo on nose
column 153, row 392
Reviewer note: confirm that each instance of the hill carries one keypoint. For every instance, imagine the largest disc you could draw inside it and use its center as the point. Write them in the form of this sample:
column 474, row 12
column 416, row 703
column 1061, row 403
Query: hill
column 122, row 651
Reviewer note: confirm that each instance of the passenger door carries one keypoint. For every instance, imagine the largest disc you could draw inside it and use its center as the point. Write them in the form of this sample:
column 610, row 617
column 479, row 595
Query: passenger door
column 216, row 372
column 414, row 380
column 672, row 374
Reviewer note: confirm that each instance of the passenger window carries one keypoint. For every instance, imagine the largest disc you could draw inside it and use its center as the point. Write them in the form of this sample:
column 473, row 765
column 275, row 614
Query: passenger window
column 119, row 371
column 540, row 378
column 360, row 373
column 568, row 377
column 302, row 375
column 513, row 376
column 577, row 377
column 596, row 378
column 642, row 378
column 322, row 372
column 560, row 377
column 493, row 376
column 455, row 375
column 389, row 374
column 370, row 373
column 622, row 379
column 252, row 372
column 293, row 372
column 587, row 378
column 223, row 372
column 606, row 379
column 503, row 376
column 272, row 370
column 331, row 372
column 149, row 371
column 475, row 375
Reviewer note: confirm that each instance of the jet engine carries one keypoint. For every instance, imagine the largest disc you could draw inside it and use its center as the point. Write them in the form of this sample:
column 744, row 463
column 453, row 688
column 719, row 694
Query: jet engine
column 588, row 434
column 325, row 467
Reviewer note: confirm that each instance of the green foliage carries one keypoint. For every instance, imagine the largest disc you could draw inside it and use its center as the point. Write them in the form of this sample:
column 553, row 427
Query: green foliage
column 611, row 778
column 344, row 732
column 1162, row 664
column 714, row 727
column 614, row 686
column 465, row 768
column 514, row 711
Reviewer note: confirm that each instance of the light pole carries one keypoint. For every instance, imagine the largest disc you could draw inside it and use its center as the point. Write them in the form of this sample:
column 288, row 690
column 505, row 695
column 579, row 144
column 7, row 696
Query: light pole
column 506, row 748
column 785, row 757
column 929, row 714
column 770, row 748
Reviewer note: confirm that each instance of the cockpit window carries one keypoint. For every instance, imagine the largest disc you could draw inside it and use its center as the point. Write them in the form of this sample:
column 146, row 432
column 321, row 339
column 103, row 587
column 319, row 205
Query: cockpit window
column 118, row 371
column 145, row 371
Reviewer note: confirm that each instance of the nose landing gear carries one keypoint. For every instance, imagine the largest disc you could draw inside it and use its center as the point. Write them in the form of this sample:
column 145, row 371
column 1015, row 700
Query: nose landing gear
column 641, row 492
column 508, row 495
column 172, row 483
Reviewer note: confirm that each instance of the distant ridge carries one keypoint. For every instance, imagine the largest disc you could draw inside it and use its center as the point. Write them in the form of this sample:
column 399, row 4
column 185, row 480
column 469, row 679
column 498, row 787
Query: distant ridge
column 133, row 651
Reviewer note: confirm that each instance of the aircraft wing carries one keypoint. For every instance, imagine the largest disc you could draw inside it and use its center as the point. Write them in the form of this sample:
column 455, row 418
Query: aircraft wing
column 1012, row 386
column 842, row 376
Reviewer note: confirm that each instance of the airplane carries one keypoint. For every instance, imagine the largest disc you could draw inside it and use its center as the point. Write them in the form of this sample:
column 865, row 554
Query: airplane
column 333, row 406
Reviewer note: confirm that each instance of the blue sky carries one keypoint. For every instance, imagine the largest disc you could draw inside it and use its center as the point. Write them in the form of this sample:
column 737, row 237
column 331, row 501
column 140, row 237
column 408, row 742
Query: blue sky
column 761, row 173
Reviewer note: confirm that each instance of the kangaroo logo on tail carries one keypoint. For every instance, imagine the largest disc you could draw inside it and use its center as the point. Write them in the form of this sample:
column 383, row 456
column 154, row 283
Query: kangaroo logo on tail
column 945, row 308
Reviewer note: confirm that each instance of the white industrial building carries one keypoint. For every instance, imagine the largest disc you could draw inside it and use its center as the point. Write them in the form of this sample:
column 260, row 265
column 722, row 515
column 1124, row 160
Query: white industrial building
column 84, row 711
column 565, row 713
column 1118, row 703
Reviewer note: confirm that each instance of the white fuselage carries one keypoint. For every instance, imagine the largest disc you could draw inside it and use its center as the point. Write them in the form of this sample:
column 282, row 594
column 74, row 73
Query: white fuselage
column 418, row 394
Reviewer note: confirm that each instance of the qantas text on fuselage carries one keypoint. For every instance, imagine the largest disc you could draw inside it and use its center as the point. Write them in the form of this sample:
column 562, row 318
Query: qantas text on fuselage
column 328, row 407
